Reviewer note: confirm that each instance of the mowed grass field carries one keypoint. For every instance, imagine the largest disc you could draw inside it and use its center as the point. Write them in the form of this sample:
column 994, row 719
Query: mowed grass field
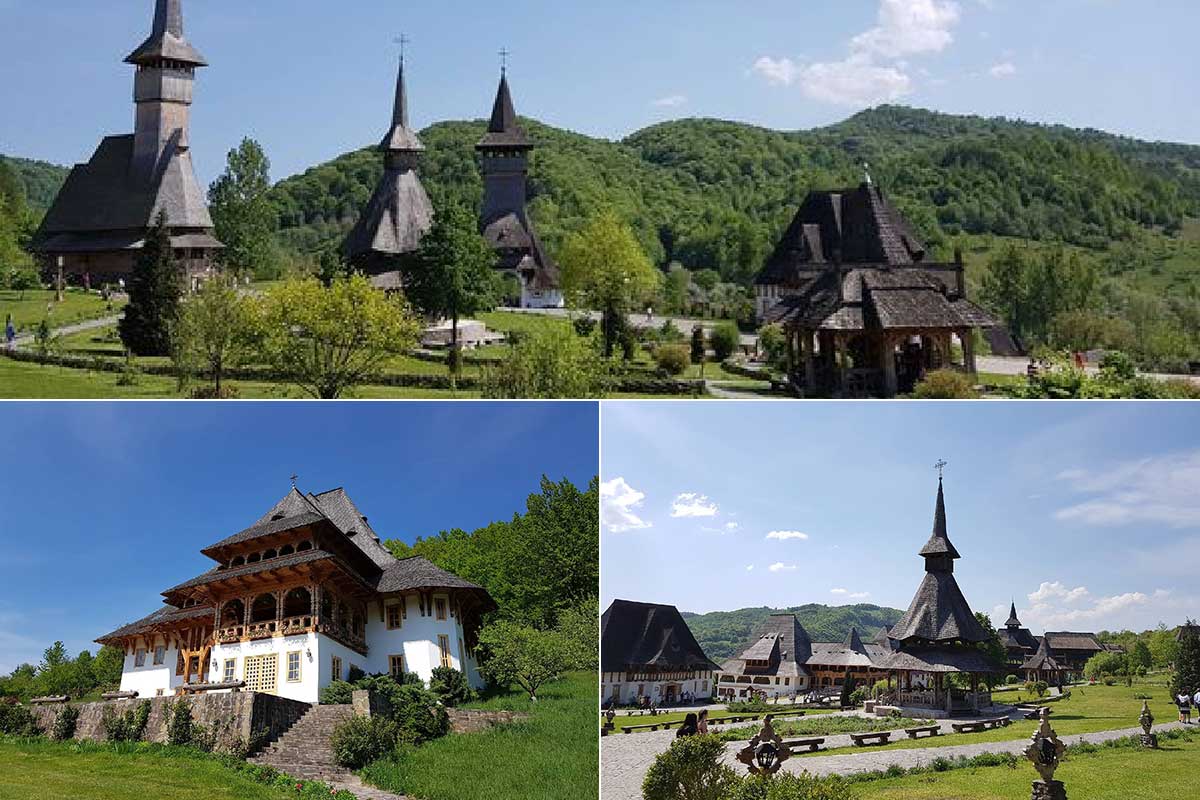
column 1091, row 709
column 552, row 756
column 1109, row 774
column 53, row 771
column 31, row 307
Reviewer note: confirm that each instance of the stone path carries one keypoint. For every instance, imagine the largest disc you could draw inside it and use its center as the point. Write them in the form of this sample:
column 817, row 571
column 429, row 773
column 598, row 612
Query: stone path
column 625, row 758
column 69, row 330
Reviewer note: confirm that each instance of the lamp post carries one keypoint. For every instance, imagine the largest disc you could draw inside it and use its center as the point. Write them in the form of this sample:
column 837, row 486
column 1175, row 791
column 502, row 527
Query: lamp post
column 766, row 752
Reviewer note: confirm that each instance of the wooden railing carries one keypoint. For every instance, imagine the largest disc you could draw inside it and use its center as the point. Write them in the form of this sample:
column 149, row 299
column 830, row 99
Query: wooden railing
column 289, row 626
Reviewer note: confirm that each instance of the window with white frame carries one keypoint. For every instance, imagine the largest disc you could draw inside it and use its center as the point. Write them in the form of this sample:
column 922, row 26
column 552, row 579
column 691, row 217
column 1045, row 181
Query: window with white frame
column 230, row 669
column 139, row 657
column 293, row 666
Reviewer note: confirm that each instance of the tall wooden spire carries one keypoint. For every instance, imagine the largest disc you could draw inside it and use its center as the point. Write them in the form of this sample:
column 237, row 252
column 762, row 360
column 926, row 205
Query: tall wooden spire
column 166, row 41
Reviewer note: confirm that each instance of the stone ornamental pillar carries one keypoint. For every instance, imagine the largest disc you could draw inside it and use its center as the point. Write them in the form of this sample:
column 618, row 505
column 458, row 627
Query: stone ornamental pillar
column 1149, row 738
column 1045, row 751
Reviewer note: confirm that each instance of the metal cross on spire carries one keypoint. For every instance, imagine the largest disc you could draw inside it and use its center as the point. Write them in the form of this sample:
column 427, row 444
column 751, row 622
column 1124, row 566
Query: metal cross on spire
column 295, row 478
column 403, row 41
column 504, row 54
column 941, row 468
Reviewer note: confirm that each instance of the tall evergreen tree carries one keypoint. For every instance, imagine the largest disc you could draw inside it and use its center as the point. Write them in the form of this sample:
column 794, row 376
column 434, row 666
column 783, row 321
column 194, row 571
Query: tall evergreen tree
column 243, row 214
column 154, row 294
column 1187, row 664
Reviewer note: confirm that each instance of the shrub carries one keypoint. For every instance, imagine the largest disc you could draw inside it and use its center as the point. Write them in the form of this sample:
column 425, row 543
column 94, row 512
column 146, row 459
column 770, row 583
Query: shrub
column 786, row 786
column 774, row 344
column 880, row 688
column 338, row 693
column 451, row 687
column 690, row 770
column 127, row 727
column 360, row 740
column 673, row 359
column 179, row 723
column 858, row 696
column 355, row 674
column 17, row 721
column 584, row 326
column 64, row 724
column 946, row 384
column 419, row 716
column 725, row 340
column 1012, row 680
column 755, row 704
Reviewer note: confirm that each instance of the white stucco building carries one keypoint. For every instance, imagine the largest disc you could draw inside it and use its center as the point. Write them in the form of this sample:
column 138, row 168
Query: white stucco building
column 648, row 653
column 300, row 599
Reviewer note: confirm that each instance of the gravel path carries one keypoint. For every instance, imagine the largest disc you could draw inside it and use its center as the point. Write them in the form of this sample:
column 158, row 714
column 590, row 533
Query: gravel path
column 68, row 330
column 625, row 758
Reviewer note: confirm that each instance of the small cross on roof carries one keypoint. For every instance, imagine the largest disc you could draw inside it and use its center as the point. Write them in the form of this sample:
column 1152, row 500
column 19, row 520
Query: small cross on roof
column 941, row 468
column 403, row 41
column 504, row 54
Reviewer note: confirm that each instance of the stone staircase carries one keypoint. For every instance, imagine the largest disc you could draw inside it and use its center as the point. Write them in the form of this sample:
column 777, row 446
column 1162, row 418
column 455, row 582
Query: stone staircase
column 304, row 752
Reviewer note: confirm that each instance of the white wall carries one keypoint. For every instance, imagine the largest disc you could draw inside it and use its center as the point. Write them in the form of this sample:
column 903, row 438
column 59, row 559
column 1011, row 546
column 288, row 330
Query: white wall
column 310, row 646
column 700, row 685
column 149, row 679
column 417, row 641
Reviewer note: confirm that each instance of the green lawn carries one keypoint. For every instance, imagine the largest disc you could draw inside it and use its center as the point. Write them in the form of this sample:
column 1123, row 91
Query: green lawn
column 1090, row 709
column 19, row 380
column 1109, row 774
column 31, row 307
column 552, row 756
column 50, row 771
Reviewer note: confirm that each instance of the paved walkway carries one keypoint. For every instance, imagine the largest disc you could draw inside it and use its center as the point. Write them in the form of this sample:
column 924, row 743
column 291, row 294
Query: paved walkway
column 1006, row 365
column 69, row 330
column 353, row 784
column 625, row 758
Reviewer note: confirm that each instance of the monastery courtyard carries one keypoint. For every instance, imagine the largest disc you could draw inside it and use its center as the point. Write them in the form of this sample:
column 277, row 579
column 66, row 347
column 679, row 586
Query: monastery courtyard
column 1093, row 714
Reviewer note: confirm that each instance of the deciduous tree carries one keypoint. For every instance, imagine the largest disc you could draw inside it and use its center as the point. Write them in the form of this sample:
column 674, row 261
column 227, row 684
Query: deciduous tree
column 242, row 212
column 217, row 330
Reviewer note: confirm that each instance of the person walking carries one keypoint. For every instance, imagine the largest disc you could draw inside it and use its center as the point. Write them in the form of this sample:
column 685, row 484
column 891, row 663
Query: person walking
column 10, row 334
column 690, row 727
column 1185, row 708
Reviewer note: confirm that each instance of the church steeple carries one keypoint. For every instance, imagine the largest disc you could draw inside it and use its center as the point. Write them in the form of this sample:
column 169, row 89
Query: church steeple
column 504, row 130
column 400, row 139
column 940, row 554
column 1013, row 622
column 166, row 41
column 504, row 152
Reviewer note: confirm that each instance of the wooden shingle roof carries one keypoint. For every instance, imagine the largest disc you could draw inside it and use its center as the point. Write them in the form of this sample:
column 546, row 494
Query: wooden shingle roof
column 504, row 130
column 165, row 617
column 635, row 635
column 166, row 40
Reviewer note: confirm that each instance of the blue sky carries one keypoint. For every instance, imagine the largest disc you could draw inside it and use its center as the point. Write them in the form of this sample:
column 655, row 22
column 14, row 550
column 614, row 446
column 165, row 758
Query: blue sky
column 103, row 506
column 312, row 79
column 1086, row 515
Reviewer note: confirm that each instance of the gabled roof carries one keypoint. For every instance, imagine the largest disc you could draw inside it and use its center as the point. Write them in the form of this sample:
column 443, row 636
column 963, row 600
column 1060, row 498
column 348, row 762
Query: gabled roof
column 166, row 39
column 855, row 226
column 165, row 617
column 107, row 195
column 1069, row 640
column 504, row 130
column 634, row 635
column 218, row 574
column 940, row 659
column 1043, row 660
column 783, row 640
column 1017, row 638
column 764, row 649
column 838, row 654
column 515, row 238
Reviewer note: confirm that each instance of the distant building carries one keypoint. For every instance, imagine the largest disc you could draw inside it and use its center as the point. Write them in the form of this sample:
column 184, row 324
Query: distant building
column 1042, row 666
column 866, row 314
column 97, row 224
column 648, row 651
column 1073, row 650
column 504, row 220
column 399, row 213
column 1019, row 643
column 781, row 661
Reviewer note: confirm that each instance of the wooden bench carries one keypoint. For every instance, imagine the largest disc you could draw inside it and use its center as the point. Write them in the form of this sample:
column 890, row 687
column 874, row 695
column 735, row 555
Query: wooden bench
column 929, row 730
column 632, row 728
column 864, row 739
column 1032, row 713
column 968, row 727
column 812, row 745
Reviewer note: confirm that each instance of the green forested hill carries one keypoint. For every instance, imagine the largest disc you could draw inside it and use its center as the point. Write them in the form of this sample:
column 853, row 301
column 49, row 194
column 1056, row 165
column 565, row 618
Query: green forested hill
column 39, row 180
column 721, row 633
column 716, row 194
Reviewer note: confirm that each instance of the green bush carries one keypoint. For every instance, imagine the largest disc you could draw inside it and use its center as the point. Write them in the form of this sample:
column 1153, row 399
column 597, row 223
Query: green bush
column 179, row 723
column 673, row 359
column 360, row 740
column 786, row 786
column 773, row 339
column 858, row 696
column 64, row 724
column 946, row 384
column 419, row 715
column 725, row 340
column 754, row 705
column 127, row 727
column 690, row 770
column 337, row 693
column 1012, row 680
column 17, row 721
column 451, row 687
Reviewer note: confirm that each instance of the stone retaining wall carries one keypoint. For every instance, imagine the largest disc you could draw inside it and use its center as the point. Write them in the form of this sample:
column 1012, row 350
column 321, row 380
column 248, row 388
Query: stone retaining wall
column 241, row 714
column 473, row 721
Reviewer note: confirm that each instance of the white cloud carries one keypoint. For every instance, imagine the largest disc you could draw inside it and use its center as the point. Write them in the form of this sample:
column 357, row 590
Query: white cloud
column 731, row 526
column 691, row 505
column 749, row 568
column 781, row 567
column 1158, row 490
column 839, row 591
column 1057, row 591
column 617, row 503
column 784, row 536
column 671, row 101
column 1055, row 607
column 849, row 594
column 874, row 70
column 1004, row 70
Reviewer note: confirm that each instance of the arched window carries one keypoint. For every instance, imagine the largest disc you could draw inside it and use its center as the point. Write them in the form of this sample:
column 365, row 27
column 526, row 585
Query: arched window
column 232, row 614
column 269, row 555
column 254, row 558
column 300, row 548
column 237, row 562
column 326, row 605
column 297, row 603
column 286, row 550
column 263, row 609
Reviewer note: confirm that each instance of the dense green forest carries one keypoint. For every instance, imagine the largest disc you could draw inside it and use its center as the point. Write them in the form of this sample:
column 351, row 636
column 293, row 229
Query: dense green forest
column 39, row 180
column 723, row 633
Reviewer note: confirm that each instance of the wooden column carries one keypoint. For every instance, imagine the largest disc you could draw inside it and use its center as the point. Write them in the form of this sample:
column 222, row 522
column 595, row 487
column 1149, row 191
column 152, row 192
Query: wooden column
column 810, row 368
column 891, row 384
column 247, row 603
column 791, row 352
column 968, row 340
column 839, row 357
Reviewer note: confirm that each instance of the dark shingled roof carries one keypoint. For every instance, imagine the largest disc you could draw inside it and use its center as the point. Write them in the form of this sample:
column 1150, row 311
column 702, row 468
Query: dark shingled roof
column 106, row 196
column 940, row 659
column 515, row 239
column 939, row 612
column 166, row 41
column 785, row 643
column 217, row 574
column 1013, row 621
column 1043, row 660
column 858, row 225
column 412, row 574
column 504, row 130
column 271, row 526
column 837, row 654
column 1069, row 640
column 1017, row 638
column 163, row 617
column 401, row 138
column 634, row 635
